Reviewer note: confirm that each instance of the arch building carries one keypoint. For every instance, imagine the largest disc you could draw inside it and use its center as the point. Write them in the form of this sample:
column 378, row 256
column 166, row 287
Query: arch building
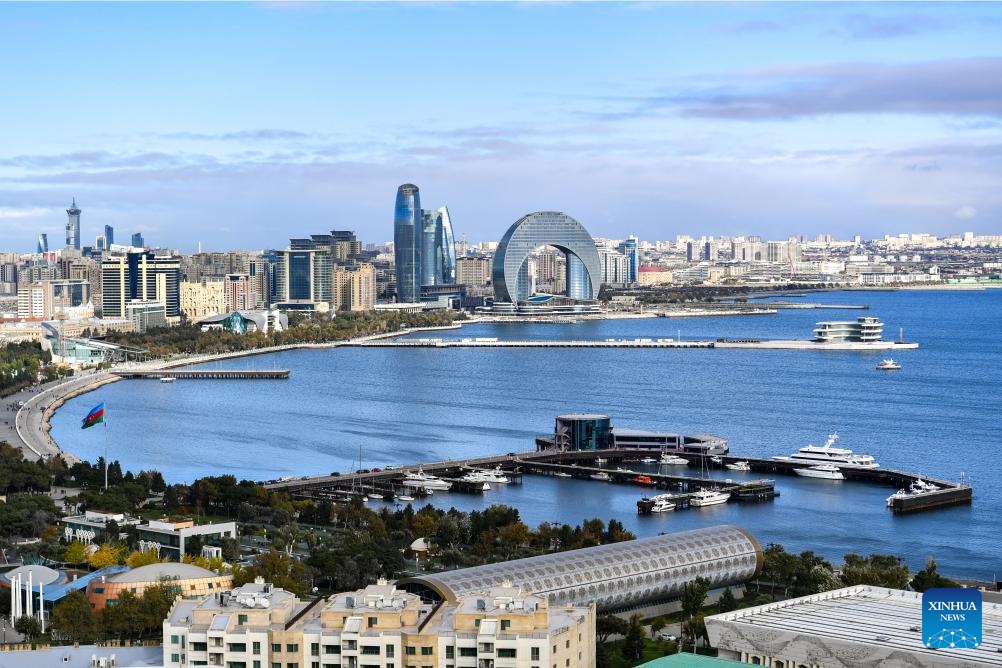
column 510, row 271
column 615, row 576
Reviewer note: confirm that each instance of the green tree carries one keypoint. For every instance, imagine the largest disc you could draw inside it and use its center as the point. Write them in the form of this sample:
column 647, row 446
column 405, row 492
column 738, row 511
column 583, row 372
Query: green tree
column 74, row 619
column 610, row 625
column 727, row 602
column 634, row 644
column 878, row 570
column 29, row 627
column 929, row 578
column 658, row 625
column 693, row 597
column 277, row 568
column 76, row 553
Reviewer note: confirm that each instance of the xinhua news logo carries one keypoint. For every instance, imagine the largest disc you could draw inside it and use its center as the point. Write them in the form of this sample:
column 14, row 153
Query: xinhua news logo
column 951, row 618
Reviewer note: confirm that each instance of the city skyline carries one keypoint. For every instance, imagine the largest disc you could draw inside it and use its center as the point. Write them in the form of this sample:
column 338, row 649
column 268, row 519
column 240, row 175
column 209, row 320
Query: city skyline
column 646, row 119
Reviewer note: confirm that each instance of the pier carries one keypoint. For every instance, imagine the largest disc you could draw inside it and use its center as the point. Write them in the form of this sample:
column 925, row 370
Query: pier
column 497, row 343
column 205, row 374
column 581, row 464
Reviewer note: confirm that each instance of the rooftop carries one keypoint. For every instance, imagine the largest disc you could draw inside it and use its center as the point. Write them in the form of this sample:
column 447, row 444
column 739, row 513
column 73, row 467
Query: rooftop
column 871, row 623
column 169, row 570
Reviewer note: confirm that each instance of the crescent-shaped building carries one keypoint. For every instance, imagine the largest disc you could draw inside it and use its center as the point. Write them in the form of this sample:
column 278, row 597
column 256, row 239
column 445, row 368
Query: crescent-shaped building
column 616, row 576
column 510, row 271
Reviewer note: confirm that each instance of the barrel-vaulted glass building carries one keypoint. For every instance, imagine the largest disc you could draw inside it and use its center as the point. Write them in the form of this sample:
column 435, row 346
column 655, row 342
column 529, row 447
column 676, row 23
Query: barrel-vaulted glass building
column 406, row 249
column 510, row 271
column 616, row 576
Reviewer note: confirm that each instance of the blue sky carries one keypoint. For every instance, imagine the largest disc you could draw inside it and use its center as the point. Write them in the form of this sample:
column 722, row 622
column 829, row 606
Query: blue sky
column 240, row 125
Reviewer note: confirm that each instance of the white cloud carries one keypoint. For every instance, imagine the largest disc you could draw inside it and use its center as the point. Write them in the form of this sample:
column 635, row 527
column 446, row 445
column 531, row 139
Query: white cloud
column 9, row 214
column 966, row 212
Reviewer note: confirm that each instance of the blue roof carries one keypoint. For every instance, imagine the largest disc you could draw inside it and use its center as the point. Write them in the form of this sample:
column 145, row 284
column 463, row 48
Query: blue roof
column 58, row 592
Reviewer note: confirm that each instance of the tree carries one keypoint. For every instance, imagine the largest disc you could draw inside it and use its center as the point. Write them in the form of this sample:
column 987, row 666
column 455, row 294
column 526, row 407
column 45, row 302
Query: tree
column 657, row 626
column 610, row 625
column 76, row 553
column 137, row 559
column 877, row 570
column 74, row 619
column 106, row 555
column 277, row 568
column 634, row 644
column 929, row 578
column 727, row 602
column 29, row 627
column 693, row 597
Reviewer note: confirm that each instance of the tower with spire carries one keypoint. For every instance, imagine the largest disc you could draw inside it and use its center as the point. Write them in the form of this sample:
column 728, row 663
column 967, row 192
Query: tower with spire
column 73, row 226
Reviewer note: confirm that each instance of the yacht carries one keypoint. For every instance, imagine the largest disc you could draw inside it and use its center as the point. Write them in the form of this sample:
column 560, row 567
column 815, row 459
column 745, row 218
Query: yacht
column 601, row 475
column 648, row 460
column 826, row 471
column 601, row 460
column 826, row 454
column 425, row 480
column 920, row 486
column 672, row 460
column 479, row 480
column 168, row 379
column 888, row 365
column 739, row 466
column 662, row 504
column 900, row 494
column 708, row 497
column 405, row 497
column 562, row 474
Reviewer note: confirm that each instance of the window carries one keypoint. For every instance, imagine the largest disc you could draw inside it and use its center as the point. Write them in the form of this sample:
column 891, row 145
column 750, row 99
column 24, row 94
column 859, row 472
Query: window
column 276, row 647
column 199, row 647
column 256, row 664
column 241, row 619
column 426, row 651
column 236, row 647
column 236, row 664
column 174, row 640
column 567, row 644
column 467, row 651
column 293, row 647
column 315, row 649
column 450, row 652
column 389, row 651
column 175, row 658
column 476, row 622
column 370, row 649
column 276, row 664
column 534, row 654
column 332, row 649
column 505, row 624
column 98, row 590
column 292, row 665
column 506, row 653
column 257, row 648
column 372, row 621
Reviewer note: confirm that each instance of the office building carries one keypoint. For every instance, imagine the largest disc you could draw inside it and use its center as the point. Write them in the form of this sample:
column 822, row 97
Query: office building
column 99, row 243
column 138, row 241
column 510, row 272
column 141, row 276
column 146, row 314
column 406, row 247
column 43, row 243
column 170, row 536
column 438, row 248
column 73, row 226
column 303, row 279
column 261, row 625
column 109, row 236
column 629, row 249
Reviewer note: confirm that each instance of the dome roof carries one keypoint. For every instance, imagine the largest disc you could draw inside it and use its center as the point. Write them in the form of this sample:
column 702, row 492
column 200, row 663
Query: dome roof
column 167, row 570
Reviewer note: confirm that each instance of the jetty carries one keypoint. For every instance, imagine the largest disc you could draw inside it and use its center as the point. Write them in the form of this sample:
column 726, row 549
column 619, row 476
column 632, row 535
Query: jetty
column 204, row 374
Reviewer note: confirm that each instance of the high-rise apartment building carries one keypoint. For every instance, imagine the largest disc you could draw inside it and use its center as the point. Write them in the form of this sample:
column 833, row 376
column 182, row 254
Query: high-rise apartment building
column 354, row 287
column 43, row 243
column 406, row 248
column 73, row 226
column 237, row 293
column 109, row 236
column 629, row 249
column 474, row 271
column 141, row 276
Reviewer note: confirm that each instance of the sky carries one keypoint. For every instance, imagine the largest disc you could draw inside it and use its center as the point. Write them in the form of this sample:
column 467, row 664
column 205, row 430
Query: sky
column 240, row 125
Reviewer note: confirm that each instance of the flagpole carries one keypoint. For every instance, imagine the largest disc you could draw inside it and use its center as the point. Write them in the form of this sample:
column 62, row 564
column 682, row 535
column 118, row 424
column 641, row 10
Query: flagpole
column 105, row 449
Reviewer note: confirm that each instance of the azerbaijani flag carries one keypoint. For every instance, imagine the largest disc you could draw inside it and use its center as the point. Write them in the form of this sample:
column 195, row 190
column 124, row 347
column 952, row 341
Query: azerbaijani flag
column 95, row 416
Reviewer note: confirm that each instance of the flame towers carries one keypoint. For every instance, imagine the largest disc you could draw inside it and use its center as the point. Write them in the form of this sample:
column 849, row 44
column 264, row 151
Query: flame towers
column 424, row 248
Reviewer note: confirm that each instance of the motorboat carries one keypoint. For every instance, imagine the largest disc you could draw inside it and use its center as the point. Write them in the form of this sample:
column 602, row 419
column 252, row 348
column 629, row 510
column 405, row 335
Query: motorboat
column 643, row 480
column 716, row 460
column 826, row 454
column 826, row 471
column 739, row 466
column 477, row 479
column 708, row 497
column 900, row 494
column 662, row 504
column 404, row 497
column 622, row 470
column 601, row 475
column 648, row 460
column 561, row 474
column 601, row 460
column 168, row 379
column 920, row 486
column 425, row 480
column 888, row 365
column 672, row 460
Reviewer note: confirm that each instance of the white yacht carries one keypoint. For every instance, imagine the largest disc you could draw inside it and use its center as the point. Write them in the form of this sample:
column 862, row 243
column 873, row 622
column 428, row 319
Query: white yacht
column 826, row 454
column 648, row 460
column 826, row 471
column 900, row 494
column 168, row 379
column 601, row 475
column 562, row 474
column 920, row 486
column 425, row 480
column 739, row 466
column 662, row 504
column 888, row 365
column 708, row 497
column 478, row 478
column 672, row 460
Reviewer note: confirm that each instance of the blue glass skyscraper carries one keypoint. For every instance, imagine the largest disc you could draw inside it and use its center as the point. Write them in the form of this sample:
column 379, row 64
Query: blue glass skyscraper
column 629, row 249
column 438, row 248
column 406, row 248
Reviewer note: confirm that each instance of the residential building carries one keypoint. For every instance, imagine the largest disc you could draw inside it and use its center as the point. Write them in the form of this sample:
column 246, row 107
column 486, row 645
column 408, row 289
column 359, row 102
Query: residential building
column 237, row 293
column 354, row 287
column 473, row 271
column 203, row 298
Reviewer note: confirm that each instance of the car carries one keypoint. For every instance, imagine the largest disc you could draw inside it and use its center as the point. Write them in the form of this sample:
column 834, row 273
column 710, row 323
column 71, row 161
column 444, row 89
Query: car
column 335, row 474
column 376, row 469
column 667, row 637
column 362, row 471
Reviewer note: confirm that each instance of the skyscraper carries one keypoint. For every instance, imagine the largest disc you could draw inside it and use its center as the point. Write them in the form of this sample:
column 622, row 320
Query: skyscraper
column 109, row 236
column 141, row 276
column 406, row 249
column 137, row 240
column 43, row 243
column 629, row 249
column 73, row 226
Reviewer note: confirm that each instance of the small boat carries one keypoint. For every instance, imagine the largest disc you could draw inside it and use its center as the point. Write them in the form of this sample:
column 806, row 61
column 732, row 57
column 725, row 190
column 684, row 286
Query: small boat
column 662, row 505
column 648, row 460
column 561, row 474
column 600, row 460
column 920, row 486
column 888, row 365
column 405, row 497
column 708, row 497
column 622, row 470
column 900, row 494
column 825, row 471
column 601, row 475
column 739, row 466
column 168, row 379
column 673, row 460
column 716, row 460
column 643, row 480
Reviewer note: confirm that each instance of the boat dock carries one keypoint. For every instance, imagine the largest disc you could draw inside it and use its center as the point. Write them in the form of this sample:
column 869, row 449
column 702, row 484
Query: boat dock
column 497, row 343
column 205, row 374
